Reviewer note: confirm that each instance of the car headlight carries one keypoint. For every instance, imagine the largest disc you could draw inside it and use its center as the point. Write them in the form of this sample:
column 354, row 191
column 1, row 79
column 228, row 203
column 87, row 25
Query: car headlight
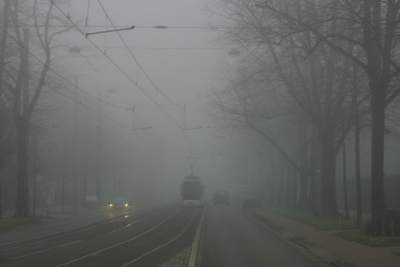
column 126, row 205
column 111, row 205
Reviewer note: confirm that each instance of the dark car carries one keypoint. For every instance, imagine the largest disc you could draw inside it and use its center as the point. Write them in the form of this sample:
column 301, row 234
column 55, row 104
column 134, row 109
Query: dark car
column 251, row 202
column 221, row 197
column 120, row 203
column 91, row 201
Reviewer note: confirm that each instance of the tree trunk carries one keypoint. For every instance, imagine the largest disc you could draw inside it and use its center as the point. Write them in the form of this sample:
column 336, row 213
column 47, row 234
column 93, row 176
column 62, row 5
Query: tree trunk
column 281, row 185
column 7, row 5
column 271, row 181
column 357, row 161
column 314, row 173
column 328, row 156
column 290, row 189
column 21, row 201
column 379, row 77
column 304, row 178
column 22, row 127
column 377, row 157
column 346, row 203
column 304, row 164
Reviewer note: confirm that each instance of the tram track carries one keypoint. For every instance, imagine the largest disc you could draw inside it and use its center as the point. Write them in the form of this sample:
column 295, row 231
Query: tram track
column 126, row 241
column 163, row 245
column 85, row 231
column 120, row 243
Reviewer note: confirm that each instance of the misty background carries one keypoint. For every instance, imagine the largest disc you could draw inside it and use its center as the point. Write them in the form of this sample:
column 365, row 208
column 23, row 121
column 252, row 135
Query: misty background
column 132, row 112
column 130, row 107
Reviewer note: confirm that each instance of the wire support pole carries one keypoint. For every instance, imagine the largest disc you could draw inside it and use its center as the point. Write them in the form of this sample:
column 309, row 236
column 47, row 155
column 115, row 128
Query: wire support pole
column 115, row 30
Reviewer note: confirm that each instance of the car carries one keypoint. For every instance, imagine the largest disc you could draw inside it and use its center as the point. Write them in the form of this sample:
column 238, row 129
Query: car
column 119, row 203
column 91, row 201
column 221, row 197
column 252, row 202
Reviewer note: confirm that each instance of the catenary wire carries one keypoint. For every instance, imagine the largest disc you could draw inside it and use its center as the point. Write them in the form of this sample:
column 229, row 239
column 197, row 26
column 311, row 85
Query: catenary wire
column 71, row 98
column 118, row 67
column 187, row 137
column 134, row 58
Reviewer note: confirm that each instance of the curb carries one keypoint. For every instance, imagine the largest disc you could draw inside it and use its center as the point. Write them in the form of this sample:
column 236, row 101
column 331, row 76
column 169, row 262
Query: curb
column 194, row 259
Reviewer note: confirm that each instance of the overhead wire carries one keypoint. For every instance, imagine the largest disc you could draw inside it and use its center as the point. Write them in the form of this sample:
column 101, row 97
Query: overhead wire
column 87, row 14
column 62, row 77
column 144, row 27
column 186, row 134
column 117, row 66
column 69, row 82
column 145, row 129
column 53, row 90
column 134, row 58
column 141, row 68
column 187, row 137
column 192, row 158
column 101, row 114
column 75, row 87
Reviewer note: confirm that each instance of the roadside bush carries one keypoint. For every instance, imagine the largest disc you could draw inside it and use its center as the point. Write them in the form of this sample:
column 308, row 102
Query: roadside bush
column 391, row 221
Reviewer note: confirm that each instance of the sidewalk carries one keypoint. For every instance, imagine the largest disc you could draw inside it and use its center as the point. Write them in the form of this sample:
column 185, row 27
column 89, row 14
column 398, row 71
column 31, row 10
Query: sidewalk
column 326, row 248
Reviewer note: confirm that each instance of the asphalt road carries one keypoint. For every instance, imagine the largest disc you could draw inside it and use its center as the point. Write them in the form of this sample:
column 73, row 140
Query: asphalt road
column 158, row 236
column 147, row 238
column 232, row 238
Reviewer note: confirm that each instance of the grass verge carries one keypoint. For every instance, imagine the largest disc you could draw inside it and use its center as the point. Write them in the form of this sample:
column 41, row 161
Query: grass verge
column 359, row 236
column 322, row 222
column 345, row 228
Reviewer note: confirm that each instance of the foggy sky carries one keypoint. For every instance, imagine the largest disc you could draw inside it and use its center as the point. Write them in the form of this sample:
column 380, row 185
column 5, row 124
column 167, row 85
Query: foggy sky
column 152, row 121
column 166, row 106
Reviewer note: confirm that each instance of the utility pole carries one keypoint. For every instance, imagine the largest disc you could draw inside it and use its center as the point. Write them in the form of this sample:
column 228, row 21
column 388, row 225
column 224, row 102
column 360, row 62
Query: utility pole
column 99, row 188
column 192, row 161
column 75, row 171
column 63, row 177
column 85, row 158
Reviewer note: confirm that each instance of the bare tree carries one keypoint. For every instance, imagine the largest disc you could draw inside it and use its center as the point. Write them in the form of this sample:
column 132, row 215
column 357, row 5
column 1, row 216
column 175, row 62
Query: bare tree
column 370, row 27
column 252, row 102
column 317, row 82
column 3, row 41
column 26, row 90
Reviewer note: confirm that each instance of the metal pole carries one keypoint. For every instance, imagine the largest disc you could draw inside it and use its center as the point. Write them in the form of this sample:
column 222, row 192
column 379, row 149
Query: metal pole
column 75, row 143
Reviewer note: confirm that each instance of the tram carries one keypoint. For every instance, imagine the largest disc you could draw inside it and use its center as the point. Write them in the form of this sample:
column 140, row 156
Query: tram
column 192, row 192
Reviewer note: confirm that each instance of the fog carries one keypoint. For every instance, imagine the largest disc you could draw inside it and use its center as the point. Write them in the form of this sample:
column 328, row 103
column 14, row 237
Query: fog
column 128, row 110
column 140, row 118
column 185, row 127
